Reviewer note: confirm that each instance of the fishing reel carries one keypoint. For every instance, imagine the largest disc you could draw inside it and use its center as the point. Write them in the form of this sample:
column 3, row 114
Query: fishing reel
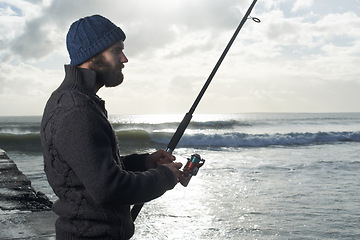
column 191, row 169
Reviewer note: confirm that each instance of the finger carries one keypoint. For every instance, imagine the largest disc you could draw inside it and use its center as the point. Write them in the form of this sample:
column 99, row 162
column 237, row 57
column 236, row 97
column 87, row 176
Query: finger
column 163, row 154
column 163, row 161
column 178, row 165
column 168, row 156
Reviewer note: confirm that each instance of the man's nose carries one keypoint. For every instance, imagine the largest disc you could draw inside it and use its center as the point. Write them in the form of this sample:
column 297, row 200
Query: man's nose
column 123, row 58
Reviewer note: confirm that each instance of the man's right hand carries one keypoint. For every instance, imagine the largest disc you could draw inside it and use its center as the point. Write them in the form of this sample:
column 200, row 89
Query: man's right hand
column 174, row 167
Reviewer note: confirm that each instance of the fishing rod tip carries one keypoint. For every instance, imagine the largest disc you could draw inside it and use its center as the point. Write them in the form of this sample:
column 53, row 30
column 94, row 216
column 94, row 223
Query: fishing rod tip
column 255, row 19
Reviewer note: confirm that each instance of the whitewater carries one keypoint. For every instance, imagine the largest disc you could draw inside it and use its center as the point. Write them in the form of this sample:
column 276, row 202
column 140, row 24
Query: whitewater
column 266, row 175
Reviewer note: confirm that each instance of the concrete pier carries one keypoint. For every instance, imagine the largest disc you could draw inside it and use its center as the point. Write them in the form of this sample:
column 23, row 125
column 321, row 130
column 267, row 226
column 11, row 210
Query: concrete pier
column 24, row 212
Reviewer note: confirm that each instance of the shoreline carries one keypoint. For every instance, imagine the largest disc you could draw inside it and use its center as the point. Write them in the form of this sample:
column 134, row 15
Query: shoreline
column 24, row 212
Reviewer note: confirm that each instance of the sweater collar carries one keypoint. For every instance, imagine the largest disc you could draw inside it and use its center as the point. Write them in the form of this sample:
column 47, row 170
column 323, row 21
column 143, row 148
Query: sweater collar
column 83, row 80
column 80, row 78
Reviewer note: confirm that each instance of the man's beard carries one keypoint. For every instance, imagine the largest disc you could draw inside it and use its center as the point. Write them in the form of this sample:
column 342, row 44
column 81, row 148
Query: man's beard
column 105, row 73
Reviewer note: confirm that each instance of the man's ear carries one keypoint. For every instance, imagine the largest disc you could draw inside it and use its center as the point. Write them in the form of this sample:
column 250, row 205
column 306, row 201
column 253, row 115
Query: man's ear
column 86, row 64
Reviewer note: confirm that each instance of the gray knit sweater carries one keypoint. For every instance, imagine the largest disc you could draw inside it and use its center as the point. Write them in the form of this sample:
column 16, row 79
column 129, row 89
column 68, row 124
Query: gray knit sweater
column 95, row 186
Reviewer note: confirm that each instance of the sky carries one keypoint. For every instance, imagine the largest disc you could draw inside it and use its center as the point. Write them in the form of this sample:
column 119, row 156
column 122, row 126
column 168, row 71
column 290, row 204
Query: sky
column 303, row 56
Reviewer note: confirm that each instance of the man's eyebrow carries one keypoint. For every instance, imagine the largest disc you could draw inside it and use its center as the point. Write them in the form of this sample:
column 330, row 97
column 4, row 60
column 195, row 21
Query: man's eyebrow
column 118, row 47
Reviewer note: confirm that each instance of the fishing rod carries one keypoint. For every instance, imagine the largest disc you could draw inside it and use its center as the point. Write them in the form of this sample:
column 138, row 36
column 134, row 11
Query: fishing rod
column 195, row 162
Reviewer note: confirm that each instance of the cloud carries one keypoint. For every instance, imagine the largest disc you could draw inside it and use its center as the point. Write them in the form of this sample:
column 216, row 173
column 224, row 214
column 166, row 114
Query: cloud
column 150, row 26
column 29, row 81
column 37, row 41
column 19, row 34
column 302, row 4
column 299, row 49
column 25, row 89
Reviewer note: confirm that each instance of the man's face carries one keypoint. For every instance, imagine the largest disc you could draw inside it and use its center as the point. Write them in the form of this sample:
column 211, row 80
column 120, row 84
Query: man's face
column 109, row 64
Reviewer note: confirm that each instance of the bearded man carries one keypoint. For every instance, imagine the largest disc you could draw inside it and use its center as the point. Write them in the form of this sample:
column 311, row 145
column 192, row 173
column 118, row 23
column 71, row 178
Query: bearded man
column 94, row 184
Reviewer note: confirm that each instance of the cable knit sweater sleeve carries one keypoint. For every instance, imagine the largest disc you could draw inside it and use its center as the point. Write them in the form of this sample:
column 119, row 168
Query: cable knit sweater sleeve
column 134, row 162
column 84, row 139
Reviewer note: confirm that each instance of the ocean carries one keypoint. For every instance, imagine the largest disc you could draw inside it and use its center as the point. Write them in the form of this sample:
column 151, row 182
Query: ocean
column 266, row 175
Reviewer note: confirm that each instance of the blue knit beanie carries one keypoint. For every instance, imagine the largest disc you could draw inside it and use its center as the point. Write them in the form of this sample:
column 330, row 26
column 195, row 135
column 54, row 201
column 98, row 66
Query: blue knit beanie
column 90, row 36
